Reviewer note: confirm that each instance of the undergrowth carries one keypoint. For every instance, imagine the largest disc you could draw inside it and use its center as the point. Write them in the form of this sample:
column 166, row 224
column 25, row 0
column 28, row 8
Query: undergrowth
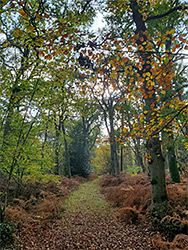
column 7, row 232
column 34, row 205
column 132, row 194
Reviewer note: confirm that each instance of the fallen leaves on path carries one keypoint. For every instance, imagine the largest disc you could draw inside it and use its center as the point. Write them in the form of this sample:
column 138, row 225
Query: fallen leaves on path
column 88, row 222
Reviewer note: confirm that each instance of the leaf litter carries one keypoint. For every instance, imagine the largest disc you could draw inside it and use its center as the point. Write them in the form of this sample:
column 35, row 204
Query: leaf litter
column 88, row 222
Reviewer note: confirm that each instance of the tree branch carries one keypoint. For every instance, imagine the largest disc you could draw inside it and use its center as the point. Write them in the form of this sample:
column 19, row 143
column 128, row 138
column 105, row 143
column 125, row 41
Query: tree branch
column 167, row 13
column 85, row 6
column 159, row 130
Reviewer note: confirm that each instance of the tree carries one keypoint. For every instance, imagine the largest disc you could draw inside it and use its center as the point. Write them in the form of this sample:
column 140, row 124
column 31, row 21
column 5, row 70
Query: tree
column 83, row 135
column 152, row 67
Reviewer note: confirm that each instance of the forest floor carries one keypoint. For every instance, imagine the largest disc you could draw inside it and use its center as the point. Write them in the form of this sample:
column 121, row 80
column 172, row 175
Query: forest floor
column 78, row 216
column 89, row 222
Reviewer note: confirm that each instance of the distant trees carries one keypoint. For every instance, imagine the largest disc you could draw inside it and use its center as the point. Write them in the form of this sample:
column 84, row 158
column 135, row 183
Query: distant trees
column 101, row 162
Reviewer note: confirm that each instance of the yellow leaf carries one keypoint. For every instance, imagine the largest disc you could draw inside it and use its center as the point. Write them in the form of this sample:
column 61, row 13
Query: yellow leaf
column 172, row 31
column 140, row 47
column 113, row 75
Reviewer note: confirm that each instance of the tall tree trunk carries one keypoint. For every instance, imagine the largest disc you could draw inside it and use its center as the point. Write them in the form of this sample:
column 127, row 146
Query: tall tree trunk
column 173, row 168
column 169, row 152
column 86, row 144
column 7, row 128
column 121, row 142
column 114, row 156
column 157, row 170
column 153, row 145
column 45, row 140
column 57, row 135
column 121, row 158
column 138, row 154
column 174, row 172
column 67, row 169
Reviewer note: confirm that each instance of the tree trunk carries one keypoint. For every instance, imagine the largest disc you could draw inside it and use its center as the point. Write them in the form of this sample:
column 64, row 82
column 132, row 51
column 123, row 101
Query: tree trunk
column 67, row 169
column 156, row 163
column 121, row 158
column 174, row 172
column 114, row 156
column 169, row 152
column 45, row 140
column 138, row 154
column 57, row 135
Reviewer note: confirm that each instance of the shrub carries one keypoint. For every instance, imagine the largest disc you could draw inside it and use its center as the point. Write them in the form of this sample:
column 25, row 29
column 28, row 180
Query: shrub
column 6, row 234
column 179, row 242
column 173, row 225
column 128, row 215
column 16, row 215
column 127, row 191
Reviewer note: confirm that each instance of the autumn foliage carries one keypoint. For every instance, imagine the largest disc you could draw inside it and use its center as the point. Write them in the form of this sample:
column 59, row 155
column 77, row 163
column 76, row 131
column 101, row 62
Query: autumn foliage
column 127, row 191
column 39, row 206
column 132, row 195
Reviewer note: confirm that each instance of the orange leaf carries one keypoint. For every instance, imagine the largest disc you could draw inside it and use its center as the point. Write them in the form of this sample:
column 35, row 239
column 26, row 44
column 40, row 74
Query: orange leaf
column 39, row 16
column 20, row 3
column 46, row 15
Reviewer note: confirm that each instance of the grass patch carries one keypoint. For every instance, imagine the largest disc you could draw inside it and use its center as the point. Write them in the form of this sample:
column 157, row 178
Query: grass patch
column 88, row 199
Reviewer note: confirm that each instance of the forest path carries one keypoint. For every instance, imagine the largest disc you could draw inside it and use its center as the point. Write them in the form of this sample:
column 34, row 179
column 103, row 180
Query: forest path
column 88, row 199
column 90, row 222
